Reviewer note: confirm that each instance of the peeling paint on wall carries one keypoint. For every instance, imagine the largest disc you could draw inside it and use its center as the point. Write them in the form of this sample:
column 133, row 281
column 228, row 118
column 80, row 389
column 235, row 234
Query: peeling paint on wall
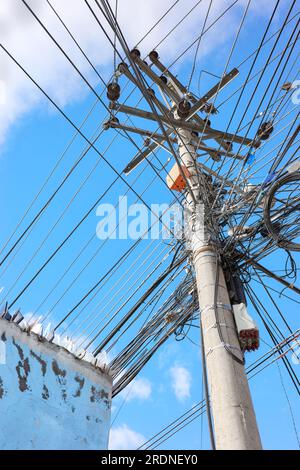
column 80, row 381
column 2, row 391
column 57, row 371
column 45, row 394
column 41, row 361
column 50, row 399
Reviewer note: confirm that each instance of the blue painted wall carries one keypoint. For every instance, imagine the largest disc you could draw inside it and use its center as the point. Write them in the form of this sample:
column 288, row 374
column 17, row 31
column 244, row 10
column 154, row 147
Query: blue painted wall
column 48, row 398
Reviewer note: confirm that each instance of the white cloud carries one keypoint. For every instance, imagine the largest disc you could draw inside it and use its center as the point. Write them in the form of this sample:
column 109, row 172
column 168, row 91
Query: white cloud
column 26, row 40
column 181, row 382
column 124, row 438
column 138, row 389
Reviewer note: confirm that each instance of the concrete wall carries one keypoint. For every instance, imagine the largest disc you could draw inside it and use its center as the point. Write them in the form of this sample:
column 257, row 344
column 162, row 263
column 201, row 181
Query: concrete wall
column 49, row 399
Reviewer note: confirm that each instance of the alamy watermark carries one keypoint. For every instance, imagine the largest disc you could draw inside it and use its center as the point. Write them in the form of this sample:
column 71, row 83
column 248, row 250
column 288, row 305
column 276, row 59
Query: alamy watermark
column 133, row 221
column 156, row 221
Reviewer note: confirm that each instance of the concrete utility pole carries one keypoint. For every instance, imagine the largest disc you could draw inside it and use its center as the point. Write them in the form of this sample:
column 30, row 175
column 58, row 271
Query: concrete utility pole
column 234, row 419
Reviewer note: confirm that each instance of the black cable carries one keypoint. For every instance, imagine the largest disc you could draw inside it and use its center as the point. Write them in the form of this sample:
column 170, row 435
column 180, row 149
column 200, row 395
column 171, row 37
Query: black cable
column 289, row 405
column 66, row 55
column 219, row 328
column 261, row 75
column 94, row 68
column 75, row 41
column 250, row 368
column 273, row 301
column 55, row 192
column 173, row 422
column 254, row 299
column 82, row 135
column 197, row 47
column 271, row 195
column 54, row 253
column 76, row 68
column 141, row 82
column 151, row 289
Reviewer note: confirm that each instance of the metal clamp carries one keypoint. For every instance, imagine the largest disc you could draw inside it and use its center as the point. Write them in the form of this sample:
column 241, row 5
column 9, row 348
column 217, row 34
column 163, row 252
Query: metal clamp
column 223, row 345
column 214, row 325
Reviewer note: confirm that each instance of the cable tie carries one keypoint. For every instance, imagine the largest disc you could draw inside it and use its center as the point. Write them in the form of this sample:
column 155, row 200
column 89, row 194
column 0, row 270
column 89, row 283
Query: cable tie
column 219, row 304
column 222, row 345
column 204, row 248
column 214, row 325
column 213, row 285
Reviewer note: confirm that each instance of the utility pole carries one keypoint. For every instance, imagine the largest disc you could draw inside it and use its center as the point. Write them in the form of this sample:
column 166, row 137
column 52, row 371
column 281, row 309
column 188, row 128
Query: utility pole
column 234, row 419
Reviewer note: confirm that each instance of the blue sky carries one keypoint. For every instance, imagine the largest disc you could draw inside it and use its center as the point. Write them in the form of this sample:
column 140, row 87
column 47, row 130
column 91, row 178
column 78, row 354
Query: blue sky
column 33, row 137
